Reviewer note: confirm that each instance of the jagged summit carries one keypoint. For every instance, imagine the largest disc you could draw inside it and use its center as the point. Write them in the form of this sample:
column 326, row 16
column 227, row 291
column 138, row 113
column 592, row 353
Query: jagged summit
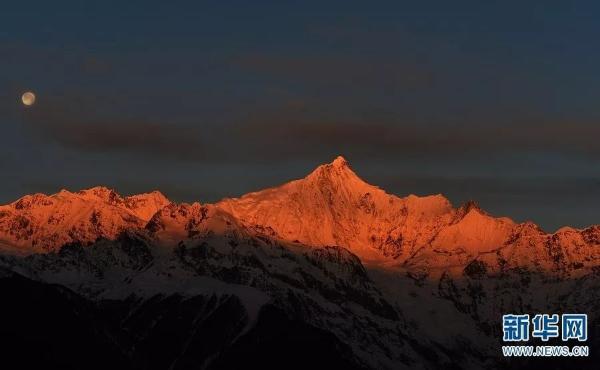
column 110, row 195
column 334, row 177
column 43, row 222
column 336, row 167
column 338, row 175
column 339, row 161
column 334, row 206
column 319, row 249
column 331, row 206
column 101, row 193
column 98, row 193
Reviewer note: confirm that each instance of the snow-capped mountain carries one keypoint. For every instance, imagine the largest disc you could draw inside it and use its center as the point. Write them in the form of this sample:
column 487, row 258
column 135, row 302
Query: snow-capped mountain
column 322, row 271
column 333, row 206
column 38, row 223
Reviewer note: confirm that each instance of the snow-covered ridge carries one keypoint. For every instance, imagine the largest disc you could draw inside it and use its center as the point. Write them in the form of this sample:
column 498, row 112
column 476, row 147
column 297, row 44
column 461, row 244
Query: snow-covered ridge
column 330, row 206
column 39, row 222
column 401, row 281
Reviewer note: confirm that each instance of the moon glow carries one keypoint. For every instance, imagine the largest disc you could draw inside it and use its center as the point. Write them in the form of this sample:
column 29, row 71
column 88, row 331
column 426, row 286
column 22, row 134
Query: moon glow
column 28, row 98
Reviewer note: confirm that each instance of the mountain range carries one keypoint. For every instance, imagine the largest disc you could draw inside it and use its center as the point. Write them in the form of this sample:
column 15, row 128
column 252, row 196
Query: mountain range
column 323, row 271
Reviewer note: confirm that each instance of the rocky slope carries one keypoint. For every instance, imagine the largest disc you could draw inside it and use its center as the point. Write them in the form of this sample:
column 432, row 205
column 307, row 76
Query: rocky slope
column 323, row 270
column 333, row 206
column 330, row 206
column 38, row 223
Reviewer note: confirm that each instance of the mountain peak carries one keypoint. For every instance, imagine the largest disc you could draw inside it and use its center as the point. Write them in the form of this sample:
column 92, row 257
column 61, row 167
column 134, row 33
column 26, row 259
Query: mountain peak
column 40, row 222
column 337, row 171
column 101, row 192
column 339, row 161
column 330, row 206
column 147, row 204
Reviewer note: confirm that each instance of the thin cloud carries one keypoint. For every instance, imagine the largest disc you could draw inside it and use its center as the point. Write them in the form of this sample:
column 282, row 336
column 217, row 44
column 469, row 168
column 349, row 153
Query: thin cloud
column 299, row 131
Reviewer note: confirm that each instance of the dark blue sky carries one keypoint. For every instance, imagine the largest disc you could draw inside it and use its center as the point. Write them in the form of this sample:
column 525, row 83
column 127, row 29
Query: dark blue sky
column 492, row 101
